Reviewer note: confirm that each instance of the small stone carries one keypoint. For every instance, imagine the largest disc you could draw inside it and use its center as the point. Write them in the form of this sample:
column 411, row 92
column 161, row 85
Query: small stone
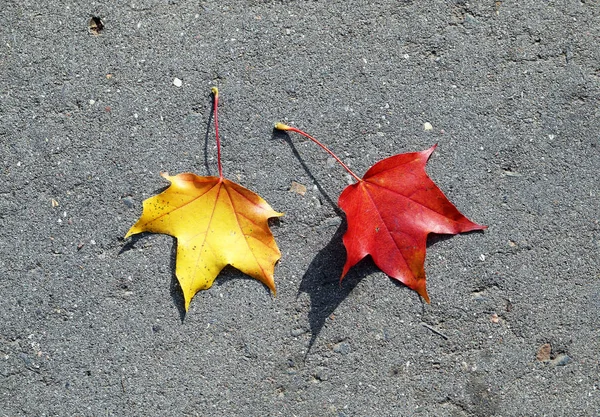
column 322, row 374
column 561, row 360
column 330, row 222
column 479, row 296
column 470, row 20
column 427, row 126
column 510, row 173
column 25, row 358
column 342, row 347
column 494, row 319
column 297, row 332
column 177, row 82
column 128, row 201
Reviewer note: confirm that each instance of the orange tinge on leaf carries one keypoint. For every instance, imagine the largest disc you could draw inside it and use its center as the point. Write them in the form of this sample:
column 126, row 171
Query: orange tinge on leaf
column 217, row 223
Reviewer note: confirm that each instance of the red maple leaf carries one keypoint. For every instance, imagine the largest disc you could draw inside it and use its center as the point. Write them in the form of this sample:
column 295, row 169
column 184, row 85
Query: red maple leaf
column 390, row 212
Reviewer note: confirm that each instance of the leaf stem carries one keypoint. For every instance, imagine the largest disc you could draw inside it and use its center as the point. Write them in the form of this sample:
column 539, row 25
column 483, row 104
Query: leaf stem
column 215, row 92
column 281, row 126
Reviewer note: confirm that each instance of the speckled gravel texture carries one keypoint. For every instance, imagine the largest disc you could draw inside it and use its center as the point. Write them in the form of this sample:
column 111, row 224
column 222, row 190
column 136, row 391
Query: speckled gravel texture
column 91, row 324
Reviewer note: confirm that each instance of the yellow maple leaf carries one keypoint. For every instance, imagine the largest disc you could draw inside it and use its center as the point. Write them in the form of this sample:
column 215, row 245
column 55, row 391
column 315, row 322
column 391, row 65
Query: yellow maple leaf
column 217, row 223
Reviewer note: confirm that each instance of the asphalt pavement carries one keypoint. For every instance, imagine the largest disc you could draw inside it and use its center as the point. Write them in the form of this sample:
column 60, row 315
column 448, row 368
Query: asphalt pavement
column 98, row 98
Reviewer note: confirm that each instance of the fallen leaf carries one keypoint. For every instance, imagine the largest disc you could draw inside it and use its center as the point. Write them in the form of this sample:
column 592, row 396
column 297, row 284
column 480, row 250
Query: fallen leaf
column 544, row 352
column 390, row 211
column 216, row 223
column 298, row 188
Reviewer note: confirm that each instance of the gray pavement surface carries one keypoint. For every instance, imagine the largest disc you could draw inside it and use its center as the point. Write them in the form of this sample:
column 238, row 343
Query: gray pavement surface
column 91, row 325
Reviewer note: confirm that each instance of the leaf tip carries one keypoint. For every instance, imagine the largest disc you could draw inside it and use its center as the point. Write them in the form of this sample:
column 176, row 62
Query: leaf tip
column 423, row 293
column 132, row 231
column 429, row 151
column 474, row 227
column 344, row 271
column 270, row 284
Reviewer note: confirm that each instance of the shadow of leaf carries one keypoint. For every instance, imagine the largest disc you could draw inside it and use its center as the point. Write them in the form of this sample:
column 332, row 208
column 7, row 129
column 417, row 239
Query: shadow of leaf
column 175, row 288
column 210, row 117
column 322, row 279
column 322, row 282
column 130, row 244
column 229, row 273
column 278, row 134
